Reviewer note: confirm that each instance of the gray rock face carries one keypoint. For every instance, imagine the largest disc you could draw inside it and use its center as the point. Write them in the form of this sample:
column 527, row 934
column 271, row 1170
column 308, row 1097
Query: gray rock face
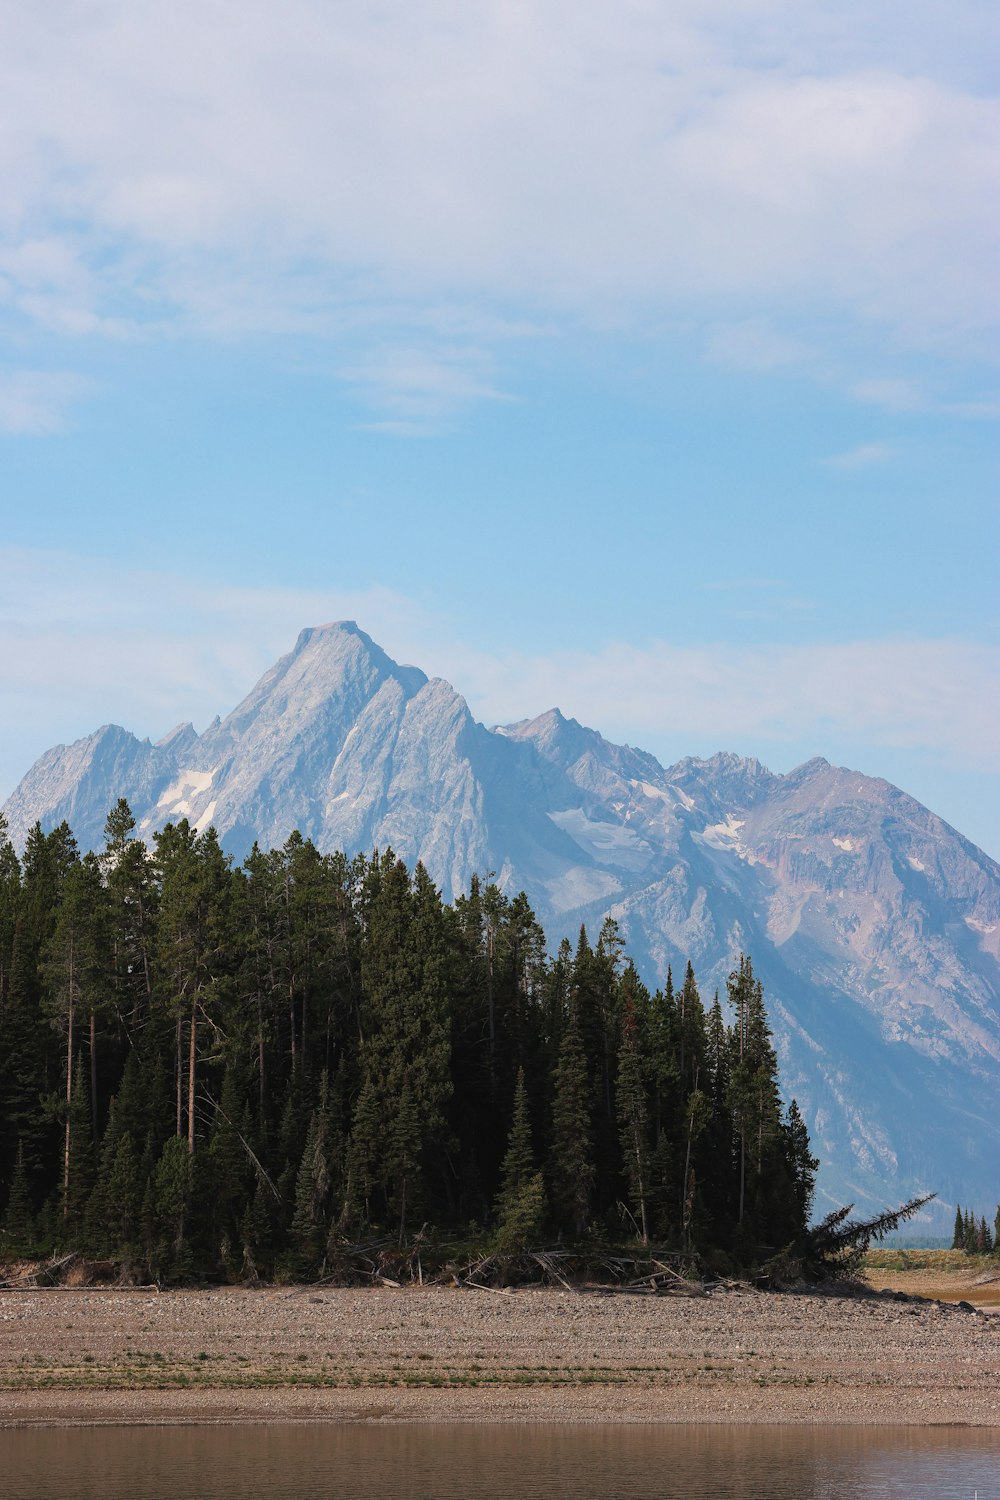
column 874, row 926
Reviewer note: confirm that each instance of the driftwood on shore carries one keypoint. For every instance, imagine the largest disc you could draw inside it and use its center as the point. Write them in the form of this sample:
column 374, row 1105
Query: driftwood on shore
column 59, row 1272
column 606, row 1275
column 384, row 1262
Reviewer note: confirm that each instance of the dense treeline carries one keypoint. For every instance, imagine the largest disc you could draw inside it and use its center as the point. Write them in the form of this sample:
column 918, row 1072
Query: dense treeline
column 975, row 1235
column 221, row 1072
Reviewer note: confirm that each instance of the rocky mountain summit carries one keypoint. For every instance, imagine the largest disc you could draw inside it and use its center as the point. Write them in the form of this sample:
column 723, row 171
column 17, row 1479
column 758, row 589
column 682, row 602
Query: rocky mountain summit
column 873, row 924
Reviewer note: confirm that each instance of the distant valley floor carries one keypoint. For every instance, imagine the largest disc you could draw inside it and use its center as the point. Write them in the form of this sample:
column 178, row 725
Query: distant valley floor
column 92, row 1356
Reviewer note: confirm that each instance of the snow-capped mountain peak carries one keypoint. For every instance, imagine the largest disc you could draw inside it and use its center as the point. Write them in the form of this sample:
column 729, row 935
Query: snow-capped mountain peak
column 874, row 926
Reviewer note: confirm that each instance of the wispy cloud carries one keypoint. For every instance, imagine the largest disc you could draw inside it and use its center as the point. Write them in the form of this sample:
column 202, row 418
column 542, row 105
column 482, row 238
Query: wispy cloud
column 562, row 156
column 754, row 344
column 933, row 696
column 420, row 391
column 81, row 643
column 36, row 403
column 728, row 585
column 892, row 395
column 900, row 395
column 864, row 456
column 140, row 644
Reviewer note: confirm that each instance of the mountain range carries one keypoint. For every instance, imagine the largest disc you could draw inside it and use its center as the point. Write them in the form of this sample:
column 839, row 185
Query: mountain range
column 874, row 926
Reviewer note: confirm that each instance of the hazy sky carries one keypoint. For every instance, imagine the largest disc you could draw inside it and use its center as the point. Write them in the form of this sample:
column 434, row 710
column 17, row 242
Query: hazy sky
column 637, row 357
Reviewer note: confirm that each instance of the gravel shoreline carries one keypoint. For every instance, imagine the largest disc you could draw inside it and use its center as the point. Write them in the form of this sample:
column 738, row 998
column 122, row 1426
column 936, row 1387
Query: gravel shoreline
column 97, row 1356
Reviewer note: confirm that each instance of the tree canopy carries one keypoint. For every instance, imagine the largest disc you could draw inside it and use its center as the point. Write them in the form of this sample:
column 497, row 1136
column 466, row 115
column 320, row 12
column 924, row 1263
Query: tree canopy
column 219, row 1071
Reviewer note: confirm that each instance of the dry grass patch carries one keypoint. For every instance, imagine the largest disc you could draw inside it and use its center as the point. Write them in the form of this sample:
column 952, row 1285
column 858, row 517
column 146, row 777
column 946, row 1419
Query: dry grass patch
column 943, row 1275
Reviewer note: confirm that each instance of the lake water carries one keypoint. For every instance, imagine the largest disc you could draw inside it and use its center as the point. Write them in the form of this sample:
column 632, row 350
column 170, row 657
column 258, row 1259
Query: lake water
column 502, row 1462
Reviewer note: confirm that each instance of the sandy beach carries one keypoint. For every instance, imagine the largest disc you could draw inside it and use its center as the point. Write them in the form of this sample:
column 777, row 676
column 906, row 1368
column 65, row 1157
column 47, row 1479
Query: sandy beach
column 91, row 1356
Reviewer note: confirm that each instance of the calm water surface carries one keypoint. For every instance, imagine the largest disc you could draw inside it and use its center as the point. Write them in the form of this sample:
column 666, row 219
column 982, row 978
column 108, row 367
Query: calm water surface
column 447, row 1462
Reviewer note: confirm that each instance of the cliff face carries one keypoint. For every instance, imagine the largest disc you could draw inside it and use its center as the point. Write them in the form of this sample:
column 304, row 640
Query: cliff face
column 875, row 926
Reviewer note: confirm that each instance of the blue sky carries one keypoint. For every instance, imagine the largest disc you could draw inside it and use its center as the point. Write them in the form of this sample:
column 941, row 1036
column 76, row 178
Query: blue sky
column 639, row 358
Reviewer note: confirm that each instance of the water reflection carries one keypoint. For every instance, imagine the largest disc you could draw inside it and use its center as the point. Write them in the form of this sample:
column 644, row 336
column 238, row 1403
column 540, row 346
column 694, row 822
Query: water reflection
column 502, row 1462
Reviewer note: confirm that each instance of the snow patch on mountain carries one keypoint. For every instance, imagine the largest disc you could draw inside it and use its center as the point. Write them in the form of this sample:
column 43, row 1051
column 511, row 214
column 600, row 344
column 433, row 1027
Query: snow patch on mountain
column 615, row 843
column 174, row 801
column 724, row 835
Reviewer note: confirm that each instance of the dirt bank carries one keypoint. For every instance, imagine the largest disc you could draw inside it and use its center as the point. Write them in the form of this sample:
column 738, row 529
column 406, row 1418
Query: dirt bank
column 949, row 1275
column 433, row 1354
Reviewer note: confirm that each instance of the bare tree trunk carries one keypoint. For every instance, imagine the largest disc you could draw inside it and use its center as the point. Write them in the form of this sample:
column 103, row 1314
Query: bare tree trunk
column 687, row 1161
column 607, row 1069
column 743, row 1173
column 192, row 1051
column 147, row 977
column 69, row 1079
column 93, row 1075
column 682, row 1031
column 260, row 1059
column 489, row 990
column 641, row 1184
column 180, row 1081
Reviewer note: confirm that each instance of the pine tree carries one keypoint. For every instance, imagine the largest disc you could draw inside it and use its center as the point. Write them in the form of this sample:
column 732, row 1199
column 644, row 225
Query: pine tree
column 123, row 1202
column 523, row 1217
column 633, row 1109
column 131, row 907
column 193, row 934
column 24, row 1126
column 229, row 1165
column 958, row 1238
column 519, row 1161
column 521, row 1204
column 75, row 975
column 571, row 1166
column 665, row 1165
column 258, row 1229
column 48, row 859
column 594, row 997
column 697, row 1116
column 803, row 1165
column 970, row 1234
column 365, row 1155
column 404, row 1160
column 261, row 978
column 690, row 1047
column 312, row 1190
column 80, row 1173
column 718, row 1181
column 19, row 1220
column 10, row 895
column 406, row 980
column 172, row 1194
column 691, row 1041
column 755, row 1104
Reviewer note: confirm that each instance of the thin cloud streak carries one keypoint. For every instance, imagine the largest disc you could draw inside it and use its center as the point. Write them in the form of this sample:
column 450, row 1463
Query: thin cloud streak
column 421, row 392
column 929, row 696
column 864, row 456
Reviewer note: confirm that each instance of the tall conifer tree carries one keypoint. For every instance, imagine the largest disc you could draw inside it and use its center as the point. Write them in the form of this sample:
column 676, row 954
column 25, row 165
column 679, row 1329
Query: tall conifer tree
column 571, row 1165
column 633, row 1109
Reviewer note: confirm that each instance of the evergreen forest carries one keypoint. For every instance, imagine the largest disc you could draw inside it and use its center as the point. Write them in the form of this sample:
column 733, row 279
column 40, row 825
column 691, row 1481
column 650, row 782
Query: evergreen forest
column 973, row 1234
column 220, row 1072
